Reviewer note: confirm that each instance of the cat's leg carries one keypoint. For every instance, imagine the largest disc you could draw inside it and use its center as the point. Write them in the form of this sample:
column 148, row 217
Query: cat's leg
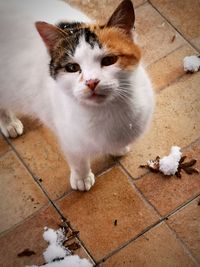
column 10, row 125
column 121, row 152
column 81, row 177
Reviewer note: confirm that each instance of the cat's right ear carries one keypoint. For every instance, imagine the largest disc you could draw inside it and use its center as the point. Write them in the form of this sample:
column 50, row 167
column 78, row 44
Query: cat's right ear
column 50, row 34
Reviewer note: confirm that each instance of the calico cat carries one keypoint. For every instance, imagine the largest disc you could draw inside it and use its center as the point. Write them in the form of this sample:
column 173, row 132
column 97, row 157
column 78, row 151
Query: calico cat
column 83, row 80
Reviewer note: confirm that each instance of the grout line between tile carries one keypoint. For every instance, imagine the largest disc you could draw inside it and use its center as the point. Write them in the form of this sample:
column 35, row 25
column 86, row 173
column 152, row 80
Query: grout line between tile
column 172, row 82
column 163, row 16
column 134, row 179
column 158, row 222
column 24, row 220
column 162, row 218
column 98, row 174
column 47, row 195
column 129, row 174
column 141, row 4
column 165, row 217
column 157, row 60
column 182, row 206
column 184, row 245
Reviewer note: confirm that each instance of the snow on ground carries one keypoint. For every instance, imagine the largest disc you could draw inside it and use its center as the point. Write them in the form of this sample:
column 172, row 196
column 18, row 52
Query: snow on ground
column 191, row 63
column 56, row 255
column 169, row 164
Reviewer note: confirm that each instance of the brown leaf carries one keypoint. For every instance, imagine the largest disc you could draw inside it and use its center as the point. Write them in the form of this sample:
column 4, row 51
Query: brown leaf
column 178, row 173
column 188, row 170
column 152, row 164
column 173, row 38
column 73, row 246
column 26, row 253
column 189, row 163
column 182, row 159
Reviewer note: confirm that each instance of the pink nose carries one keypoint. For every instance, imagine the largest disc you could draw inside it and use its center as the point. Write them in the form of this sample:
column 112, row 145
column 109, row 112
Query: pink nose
column 92, row 83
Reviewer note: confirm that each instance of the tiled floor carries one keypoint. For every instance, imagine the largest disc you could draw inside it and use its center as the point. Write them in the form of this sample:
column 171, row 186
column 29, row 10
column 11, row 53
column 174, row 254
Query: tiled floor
column 130, row 217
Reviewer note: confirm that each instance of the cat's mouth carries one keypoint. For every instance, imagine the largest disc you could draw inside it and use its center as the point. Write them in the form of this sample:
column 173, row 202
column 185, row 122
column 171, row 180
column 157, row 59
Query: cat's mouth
column 98, row 98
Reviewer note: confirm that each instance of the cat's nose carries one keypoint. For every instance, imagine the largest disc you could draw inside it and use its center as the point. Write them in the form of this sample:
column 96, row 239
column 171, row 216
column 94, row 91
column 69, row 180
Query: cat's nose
column 92, row 83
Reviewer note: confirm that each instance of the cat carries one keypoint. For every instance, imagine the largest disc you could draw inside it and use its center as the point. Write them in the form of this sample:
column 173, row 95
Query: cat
column 83, row 80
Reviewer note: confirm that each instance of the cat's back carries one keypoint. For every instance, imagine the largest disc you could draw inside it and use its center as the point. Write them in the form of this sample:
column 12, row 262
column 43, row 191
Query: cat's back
column 50, row 11
column 17, row 20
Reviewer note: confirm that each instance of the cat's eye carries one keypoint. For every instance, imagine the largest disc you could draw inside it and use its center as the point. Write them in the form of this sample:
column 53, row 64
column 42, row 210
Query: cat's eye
column 72, row 67
column 109, row 60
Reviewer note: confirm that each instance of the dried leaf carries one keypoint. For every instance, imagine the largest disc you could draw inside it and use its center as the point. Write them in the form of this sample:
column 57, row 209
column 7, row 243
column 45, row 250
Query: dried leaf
column 173, row 38
column 152, row 164
column 187, row 166
column 189, row 163
column 182, row 159
column 26, row 253
column 188, row 170
column 178, row 173
column 73, row 246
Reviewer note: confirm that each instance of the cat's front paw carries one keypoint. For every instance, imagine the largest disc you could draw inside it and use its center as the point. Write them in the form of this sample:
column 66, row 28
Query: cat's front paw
column 82, row 184
column 12, row 128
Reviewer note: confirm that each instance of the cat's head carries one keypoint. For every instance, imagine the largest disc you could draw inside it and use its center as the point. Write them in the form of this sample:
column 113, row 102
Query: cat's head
column 93, row 63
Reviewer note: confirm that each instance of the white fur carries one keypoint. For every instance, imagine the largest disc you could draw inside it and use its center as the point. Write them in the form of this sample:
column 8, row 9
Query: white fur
column 85, row 126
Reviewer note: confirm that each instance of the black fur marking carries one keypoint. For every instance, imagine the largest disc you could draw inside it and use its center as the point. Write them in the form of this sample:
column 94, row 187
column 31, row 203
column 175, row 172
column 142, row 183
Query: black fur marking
column 74, row 31
column 54, row 68
column 91, row 38
column 70, row 28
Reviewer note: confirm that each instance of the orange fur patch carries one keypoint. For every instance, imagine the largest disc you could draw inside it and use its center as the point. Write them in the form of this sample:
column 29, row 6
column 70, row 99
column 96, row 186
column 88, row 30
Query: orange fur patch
column 120, row 44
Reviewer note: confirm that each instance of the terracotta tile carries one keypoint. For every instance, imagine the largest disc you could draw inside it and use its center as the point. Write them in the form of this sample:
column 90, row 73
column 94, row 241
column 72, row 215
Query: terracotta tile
column 156, row 248
column 29, row 236
column 196, row 42
column 19, row 194
column 155, row 34
column 186, row 224
column 4, row 147
column 93, row 213
column 169, row 68
column 176, row 122
column 40, row 150
column 167, row 193
column 96, row 9
column 183, row 14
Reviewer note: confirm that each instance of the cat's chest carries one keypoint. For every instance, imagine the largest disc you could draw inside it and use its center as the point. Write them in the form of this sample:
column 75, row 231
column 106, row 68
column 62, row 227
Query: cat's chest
column 112, row 125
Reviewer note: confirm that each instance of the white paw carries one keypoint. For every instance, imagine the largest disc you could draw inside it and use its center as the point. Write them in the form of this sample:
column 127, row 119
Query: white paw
column 82, row 184
column 121, row 152
column 13, row 128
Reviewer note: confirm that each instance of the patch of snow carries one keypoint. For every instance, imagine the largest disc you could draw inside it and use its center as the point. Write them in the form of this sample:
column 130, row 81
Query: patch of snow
column 50, row 235
column 169, row 164
column 191, row 63
column 56, row 250
column 69, row 261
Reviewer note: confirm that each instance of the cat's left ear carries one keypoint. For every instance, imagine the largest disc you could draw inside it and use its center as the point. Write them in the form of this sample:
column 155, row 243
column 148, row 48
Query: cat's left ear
column 49, row 33
column 123, row 17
